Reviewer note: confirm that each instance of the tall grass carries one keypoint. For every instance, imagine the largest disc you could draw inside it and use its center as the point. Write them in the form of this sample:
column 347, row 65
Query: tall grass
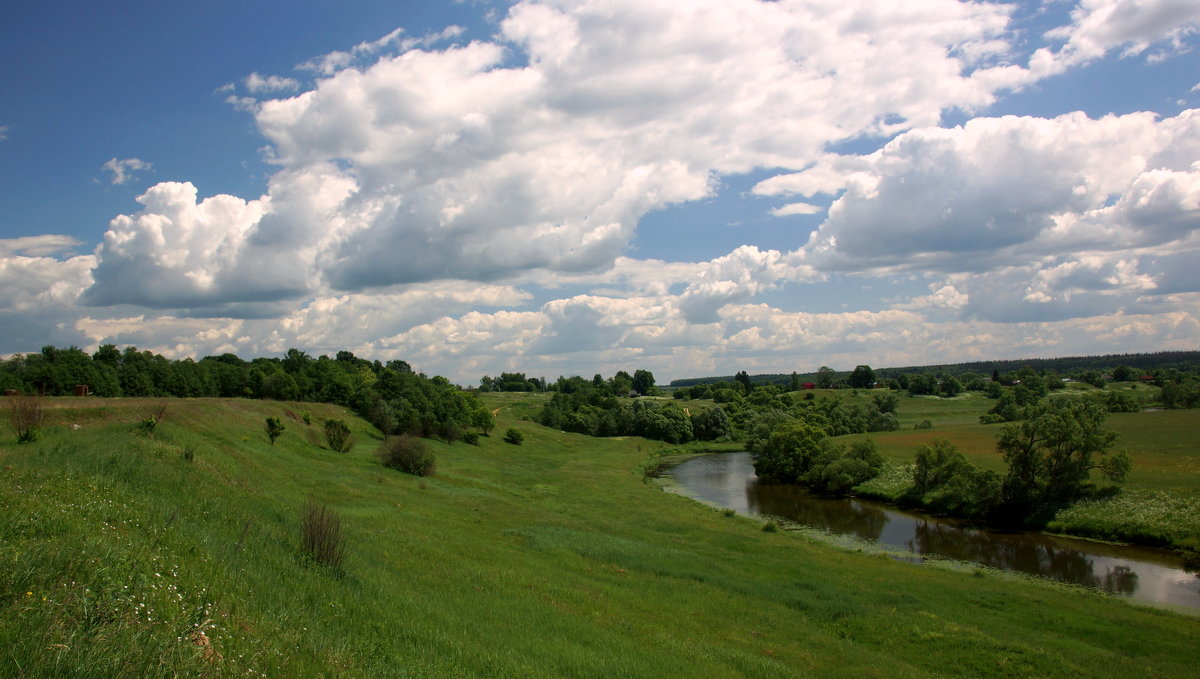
column 1148, row 517
column 26, row 415
column 321, row 535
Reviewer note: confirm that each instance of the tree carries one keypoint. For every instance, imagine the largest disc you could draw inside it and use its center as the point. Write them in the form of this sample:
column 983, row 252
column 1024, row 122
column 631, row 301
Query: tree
column 337, row 435
column 1123, row 373
column 862, row 377
column 744, row 379
column 620, row 384
column 643, row 381
column 788, row 452
column 825, row 376
column 950, row 387
column 274, row 428
column 885, row 401
column 1051, row 454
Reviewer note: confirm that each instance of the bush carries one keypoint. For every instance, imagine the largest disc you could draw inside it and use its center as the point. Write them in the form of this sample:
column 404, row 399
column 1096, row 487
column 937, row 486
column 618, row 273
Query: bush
column 471, row 438
column 408, row 454
column 26, row 414
column 337, row 435
column 321, row 535
column 149, row 422
column 513, row 436
column 923, row 424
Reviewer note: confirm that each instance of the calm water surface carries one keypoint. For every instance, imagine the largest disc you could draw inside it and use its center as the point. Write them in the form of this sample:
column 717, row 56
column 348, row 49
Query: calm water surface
column 728, row 480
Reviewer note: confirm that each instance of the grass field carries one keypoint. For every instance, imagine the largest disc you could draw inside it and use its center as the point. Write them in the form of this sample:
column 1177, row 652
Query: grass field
column 121, row 558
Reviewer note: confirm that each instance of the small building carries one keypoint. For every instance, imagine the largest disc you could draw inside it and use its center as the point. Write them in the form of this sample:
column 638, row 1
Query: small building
column 82, row 390
column 808, row 385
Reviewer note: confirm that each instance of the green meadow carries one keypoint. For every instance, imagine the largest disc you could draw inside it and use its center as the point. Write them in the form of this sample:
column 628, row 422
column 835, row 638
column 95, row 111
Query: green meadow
column 128, row 553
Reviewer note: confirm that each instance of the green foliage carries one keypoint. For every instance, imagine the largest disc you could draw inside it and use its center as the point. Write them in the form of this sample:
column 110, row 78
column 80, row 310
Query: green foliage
column 839, row 468
column 885, row 401
column 280, row 386
column 514, row 436
column 788, row 453
column 1184, row 394
column 1118, row 401
column 148, row 422
column 994, row 390
column 643, row 382
column 408, row 454
column 944, row 482
column 862, row 377
column 1147, row 517
column 923, row 424
column 711, row 424
column 471, row 438
column 1051, row 454
column 338, row 436
column 274, row 428
column 950, row 387
column 321, row 536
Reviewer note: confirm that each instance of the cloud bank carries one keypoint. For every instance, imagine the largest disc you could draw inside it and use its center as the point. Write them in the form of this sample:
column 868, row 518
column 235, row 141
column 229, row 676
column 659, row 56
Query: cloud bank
column 472, row 205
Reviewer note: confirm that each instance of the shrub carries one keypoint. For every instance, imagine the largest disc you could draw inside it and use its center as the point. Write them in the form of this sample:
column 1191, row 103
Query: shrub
column 26, row 413
column 471, row 438
column 406, row 453
column 274, row 428
column 923, row 424
column 321, row 535
column 149, row 422
column 337, row 435
column 514, row 436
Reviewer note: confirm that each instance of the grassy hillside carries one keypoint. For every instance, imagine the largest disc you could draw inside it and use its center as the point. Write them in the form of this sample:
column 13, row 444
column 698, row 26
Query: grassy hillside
column 121, row 558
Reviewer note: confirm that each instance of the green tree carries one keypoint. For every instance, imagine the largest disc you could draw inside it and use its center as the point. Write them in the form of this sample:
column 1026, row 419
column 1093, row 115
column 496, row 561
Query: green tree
column 885, row 401
column 825, row 377
column 862, row 377
column 788, row 452
column 950, row 387
column 643, row 381
column 1051, row 454
column 274, row 428
column 743, row 379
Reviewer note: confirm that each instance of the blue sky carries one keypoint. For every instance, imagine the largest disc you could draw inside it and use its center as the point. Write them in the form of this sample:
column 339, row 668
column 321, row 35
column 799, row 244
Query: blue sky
column 561, row 187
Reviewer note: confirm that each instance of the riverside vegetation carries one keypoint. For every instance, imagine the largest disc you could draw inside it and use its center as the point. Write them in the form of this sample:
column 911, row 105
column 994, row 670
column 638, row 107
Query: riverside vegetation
column 179, row 551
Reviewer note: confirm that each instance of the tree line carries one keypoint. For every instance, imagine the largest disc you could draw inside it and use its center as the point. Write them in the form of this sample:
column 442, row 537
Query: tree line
column 390, row 395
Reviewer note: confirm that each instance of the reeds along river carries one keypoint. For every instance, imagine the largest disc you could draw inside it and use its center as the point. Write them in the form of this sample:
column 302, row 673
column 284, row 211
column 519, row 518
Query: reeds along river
column 1148, row 575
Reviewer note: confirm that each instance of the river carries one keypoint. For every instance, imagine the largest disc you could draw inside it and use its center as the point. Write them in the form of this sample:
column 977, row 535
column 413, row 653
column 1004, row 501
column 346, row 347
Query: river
column 1152, row 576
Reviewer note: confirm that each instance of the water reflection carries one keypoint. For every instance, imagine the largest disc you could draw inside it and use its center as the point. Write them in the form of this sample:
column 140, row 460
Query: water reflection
column 728, row 480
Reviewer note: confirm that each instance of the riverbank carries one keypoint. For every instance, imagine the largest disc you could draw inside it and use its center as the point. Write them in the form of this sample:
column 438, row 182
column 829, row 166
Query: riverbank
column 1151, row 576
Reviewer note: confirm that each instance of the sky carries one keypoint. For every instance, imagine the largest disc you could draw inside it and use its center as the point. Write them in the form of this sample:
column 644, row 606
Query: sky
column 562, row 187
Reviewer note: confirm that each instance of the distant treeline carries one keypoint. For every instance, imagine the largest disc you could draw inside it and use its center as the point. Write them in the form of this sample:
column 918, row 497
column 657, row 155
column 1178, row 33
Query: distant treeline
column 390, row 395
column 1181, row 361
